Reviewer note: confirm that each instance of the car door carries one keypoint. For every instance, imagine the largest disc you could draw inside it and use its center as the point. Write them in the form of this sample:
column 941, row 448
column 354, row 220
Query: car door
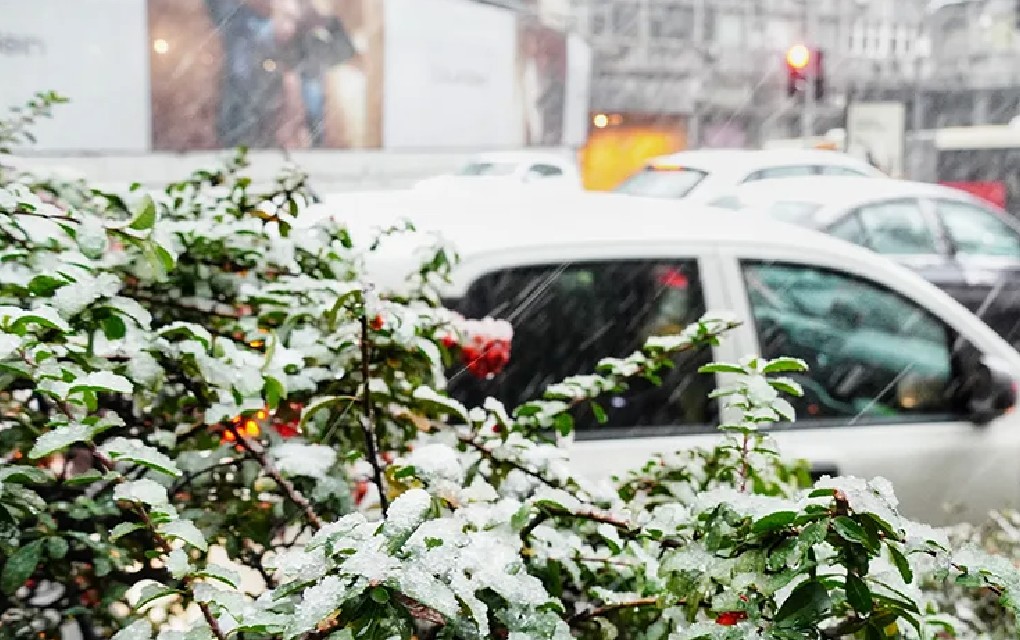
column 568, row 316
column 903, row 230
column 882, row 393
column 985, row 249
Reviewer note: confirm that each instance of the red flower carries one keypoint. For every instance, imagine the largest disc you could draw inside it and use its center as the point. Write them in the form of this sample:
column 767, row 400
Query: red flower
column 730, row 618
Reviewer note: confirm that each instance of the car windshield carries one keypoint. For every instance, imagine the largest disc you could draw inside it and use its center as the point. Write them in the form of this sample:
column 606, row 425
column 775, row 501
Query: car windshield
column 487, row 168
column 656, row 182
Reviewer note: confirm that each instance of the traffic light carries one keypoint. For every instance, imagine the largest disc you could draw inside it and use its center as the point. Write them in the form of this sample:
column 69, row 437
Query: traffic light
column 804, row 63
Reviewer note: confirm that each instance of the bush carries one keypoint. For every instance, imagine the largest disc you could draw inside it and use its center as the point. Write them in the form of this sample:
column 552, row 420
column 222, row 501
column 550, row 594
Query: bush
column 192, row 389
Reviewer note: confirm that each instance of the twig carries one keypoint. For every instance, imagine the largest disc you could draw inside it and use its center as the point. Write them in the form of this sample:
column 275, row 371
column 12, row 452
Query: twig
column 367, row 423
column 488, row 453
column 288, row 487
column 595, row 612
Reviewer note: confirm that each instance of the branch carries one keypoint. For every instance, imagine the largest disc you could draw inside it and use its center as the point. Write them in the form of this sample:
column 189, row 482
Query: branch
column 595, row 612
column 295, row 496
column 367, row 423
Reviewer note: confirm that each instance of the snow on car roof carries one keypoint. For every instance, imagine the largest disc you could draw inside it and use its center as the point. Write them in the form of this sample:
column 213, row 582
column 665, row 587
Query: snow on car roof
column 751, row 159
column 839, row 192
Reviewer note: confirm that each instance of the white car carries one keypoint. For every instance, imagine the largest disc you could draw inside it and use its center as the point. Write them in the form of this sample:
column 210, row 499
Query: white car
column 904, row 383
column 699, row 176
column 966, row 246
column 510, row 169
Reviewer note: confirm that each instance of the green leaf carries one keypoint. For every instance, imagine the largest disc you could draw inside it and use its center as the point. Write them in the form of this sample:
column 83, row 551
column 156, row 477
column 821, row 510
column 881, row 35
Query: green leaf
column 187, row 531
column 902, row 564
column 599, row 413
column 152, row 590
column 850, row 530
column 520, row 518
column 405, row 472
column 44, row 285
column 114, row 327
column 858, row 594
column 785, row 364
column 146, row 217
column 88, row 477
column 432, row 543
column 806, row 603
column 721, row 367
column 60, row 438
column 563, row 424
column 380, row 595
column 773, row 521
column 123, row 529
column 23, row 474
column 123, row 449
column 20, row 566
column 274, row 391
column 822, row 493
column 56, row 548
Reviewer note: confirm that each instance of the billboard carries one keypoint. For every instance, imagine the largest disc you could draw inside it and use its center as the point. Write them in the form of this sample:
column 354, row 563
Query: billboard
column 875, row 130
column 91, row 51
column 297, row 74
column 448, row 84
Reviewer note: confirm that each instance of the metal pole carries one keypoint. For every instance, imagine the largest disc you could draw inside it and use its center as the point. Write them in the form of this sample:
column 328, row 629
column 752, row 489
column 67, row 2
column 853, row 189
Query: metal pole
column 807, row 119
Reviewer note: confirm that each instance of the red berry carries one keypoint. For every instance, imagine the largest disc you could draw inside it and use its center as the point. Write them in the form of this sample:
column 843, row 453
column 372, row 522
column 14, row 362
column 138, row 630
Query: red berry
column 730, row 618
column 287, row 429
column 377, row 322
column 360, row 489
column 449, row 341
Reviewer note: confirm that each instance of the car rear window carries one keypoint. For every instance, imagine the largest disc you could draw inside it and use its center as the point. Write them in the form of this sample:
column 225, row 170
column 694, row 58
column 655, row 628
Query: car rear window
column 487, row 169
column 662, row 182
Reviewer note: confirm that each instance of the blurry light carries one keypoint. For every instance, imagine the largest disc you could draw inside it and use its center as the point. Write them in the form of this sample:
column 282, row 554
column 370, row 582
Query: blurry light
column 269, row 65
column 160, row 46
column 798, row 56
column 615, row 119
column 601, row 120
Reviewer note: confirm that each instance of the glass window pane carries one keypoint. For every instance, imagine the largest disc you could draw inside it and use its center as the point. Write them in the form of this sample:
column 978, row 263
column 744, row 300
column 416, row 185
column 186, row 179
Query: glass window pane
column 849, row 229
column 897, row 227
column 566, row 319
column 978, row 232
column 662, row 183
column 872, row 353
column 782, row 172
column 831, row 170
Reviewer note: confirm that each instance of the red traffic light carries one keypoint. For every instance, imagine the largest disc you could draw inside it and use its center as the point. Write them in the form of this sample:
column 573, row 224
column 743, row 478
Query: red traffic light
column 798, row 57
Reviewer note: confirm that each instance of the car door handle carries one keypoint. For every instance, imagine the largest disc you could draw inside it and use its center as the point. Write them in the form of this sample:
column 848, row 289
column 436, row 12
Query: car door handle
column 823, row 469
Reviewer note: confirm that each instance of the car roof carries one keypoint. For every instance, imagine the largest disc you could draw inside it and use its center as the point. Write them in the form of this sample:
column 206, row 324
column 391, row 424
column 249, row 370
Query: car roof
column 521, row 157
column 478, row 225
column 751, row 159
column 841, row 192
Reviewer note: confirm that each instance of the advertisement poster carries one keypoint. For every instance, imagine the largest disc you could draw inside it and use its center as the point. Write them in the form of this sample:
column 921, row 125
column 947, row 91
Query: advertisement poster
column 90, row 51
column 541, row 81
column 293, row 74
column 448, row 85
column 876, row 133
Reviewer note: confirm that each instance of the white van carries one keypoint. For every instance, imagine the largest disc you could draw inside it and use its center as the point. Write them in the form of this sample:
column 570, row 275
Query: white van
column 904, row 383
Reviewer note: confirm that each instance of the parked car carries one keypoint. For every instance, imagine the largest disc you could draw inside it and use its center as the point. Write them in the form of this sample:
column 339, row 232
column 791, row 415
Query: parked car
column 963, row 244
column 698, row 176
column 904, row 382
column 510, row 168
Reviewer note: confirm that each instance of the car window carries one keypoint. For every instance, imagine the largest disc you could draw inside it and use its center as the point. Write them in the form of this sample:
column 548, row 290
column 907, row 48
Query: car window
column 487, row 169
column 897, row 227
column 796, row 211
column 872, row 353
column 848, row 228
column 545, row 170
column 792, row 171
column 836, row 170
column 566, row 319
column 653, row 182
column 977, row 231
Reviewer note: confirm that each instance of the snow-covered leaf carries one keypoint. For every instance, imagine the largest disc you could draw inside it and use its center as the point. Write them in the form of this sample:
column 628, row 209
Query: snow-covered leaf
column 130, row 450
column 102, row 381
column 185, row 530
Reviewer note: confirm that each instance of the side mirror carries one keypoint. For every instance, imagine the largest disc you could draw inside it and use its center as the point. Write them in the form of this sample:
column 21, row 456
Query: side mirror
column 992, row 391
